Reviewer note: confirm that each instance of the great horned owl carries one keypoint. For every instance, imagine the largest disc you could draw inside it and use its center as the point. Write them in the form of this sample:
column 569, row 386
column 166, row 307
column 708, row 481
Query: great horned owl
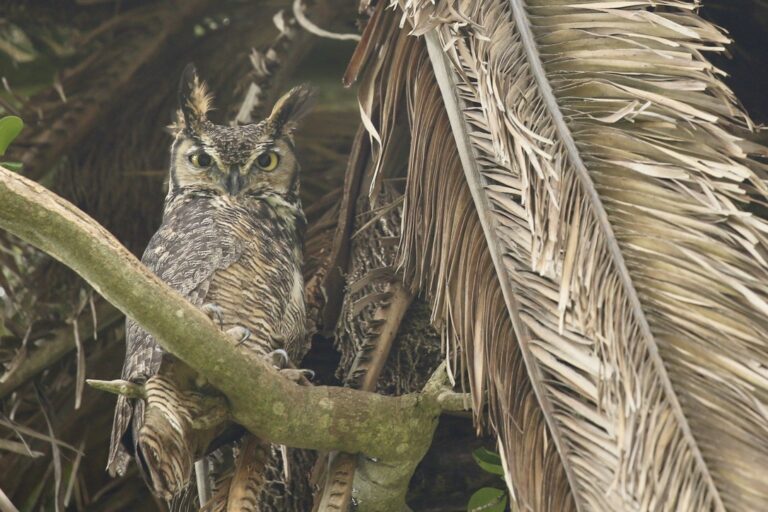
column 230, row 241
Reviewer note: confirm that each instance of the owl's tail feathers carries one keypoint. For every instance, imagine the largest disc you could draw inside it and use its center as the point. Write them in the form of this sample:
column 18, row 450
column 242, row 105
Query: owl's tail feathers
column 119, row 457
column 239, row 489
column 165, row 440
column 178, row 427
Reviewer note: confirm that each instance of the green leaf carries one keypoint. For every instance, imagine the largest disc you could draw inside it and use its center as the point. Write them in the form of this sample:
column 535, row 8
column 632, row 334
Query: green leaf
column 488, row 499
column 12, row 166
column 10, row 127
column 489, row 461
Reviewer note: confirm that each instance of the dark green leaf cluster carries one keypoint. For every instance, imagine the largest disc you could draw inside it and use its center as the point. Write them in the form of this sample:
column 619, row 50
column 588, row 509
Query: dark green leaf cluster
column 10, row 127
column 488, row 499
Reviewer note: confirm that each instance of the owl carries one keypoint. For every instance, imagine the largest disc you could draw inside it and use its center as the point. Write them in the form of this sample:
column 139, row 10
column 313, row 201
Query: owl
column 231, row 243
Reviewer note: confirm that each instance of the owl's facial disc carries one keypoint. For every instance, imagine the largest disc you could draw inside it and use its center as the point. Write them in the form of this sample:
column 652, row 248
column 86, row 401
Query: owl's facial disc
column 239, row 166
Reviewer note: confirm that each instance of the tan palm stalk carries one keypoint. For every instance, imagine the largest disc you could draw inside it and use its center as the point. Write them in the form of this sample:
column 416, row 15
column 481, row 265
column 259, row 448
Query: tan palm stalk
column 602, row 153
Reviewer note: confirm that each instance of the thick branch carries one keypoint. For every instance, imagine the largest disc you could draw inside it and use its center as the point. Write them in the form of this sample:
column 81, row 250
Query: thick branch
column 321, row 418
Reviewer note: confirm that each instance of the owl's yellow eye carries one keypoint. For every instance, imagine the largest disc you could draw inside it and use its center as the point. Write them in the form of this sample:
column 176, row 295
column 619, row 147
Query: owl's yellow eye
column 268, row 161
column 201, row 159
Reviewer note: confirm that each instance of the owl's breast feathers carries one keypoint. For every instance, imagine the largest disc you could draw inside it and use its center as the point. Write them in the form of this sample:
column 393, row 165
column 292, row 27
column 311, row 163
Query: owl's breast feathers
column 244, row 255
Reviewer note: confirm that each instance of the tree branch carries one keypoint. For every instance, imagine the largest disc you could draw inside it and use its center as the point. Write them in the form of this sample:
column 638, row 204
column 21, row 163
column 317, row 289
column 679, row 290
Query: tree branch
column 119, row 387
column 394, row 430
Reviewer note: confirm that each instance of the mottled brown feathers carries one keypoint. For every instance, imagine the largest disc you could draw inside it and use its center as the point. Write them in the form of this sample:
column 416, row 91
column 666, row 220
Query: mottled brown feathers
column 235, row 247
column 195, row 102
column 290, row 109
column 194, row 99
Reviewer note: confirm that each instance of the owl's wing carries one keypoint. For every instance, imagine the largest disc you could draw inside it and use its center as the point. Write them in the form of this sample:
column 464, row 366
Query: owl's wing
column 186, row 252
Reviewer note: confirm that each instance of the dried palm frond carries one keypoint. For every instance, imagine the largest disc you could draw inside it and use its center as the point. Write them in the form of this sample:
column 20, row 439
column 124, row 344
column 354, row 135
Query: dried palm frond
column 444, row 255
column 599, row 146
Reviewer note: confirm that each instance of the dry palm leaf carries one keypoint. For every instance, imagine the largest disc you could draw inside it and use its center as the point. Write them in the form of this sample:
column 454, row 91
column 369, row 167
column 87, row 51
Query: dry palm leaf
column 598, row 144
column 443, row 254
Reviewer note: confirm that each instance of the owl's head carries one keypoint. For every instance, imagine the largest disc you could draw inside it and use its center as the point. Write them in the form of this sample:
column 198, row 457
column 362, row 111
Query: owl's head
column 238, row 161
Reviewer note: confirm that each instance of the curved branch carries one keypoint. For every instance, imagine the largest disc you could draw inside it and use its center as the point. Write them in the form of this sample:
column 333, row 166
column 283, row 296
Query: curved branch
column 392, row 429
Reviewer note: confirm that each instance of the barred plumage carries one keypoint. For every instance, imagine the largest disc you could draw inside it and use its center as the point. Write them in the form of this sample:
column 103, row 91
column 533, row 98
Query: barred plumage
column 230, row 238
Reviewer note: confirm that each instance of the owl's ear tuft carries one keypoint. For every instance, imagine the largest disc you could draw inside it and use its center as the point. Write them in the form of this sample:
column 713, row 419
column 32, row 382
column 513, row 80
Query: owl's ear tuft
column 178, row 123
column 290, row 109
column 194, row 99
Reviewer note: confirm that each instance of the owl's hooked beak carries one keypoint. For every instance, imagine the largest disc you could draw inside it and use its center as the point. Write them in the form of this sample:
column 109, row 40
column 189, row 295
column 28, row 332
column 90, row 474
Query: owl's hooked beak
column 234, row 180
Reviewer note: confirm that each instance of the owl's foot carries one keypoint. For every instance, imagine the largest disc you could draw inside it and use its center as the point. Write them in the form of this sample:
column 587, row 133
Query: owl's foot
column 215, row 313
column 299, row 376
column 279, row 358
column 239, row 333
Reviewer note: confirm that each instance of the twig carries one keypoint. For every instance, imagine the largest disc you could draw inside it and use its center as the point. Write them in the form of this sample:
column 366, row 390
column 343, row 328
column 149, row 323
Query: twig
column 20, row 448
column 118, row 387
column 209, row 410
column 80, row 376
column 201, row 479
column 21, row 429
column 301, row 18
column 55, row 451
column 73, row 474
column 94, row 317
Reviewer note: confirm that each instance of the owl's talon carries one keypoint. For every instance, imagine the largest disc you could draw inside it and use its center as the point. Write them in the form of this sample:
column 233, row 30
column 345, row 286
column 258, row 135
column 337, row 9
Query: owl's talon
column 299, row 376
column 279, row 358
column 215, row 313
column 239, row 333
column 278, row 340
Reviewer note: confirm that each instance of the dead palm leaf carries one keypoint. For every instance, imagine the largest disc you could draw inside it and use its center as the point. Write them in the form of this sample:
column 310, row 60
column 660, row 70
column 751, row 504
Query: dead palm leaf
column 443, row 253
column 599, row 146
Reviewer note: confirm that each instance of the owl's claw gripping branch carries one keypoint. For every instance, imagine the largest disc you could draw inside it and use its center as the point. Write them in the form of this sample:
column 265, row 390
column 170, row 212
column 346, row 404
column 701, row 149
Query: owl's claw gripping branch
column 397, row 431
column 279, row 358
column 215, row 313
column 239, row 333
